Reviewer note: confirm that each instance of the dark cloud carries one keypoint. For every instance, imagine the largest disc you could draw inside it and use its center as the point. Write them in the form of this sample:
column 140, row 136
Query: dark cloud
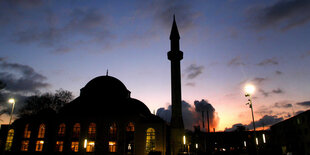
column 55, row 28
column 234, row 127
column 21, row 78
column 285, row 14
column 271, row 61
column 88, row 22
column 278, row 91
column 265, row 121
column 193, row 71
column 263, row 110
column 259, row 80
column 236, row 62
column 274, row 91
column 279, row 72
column 192, row 115
column 266, row 94
column 304, row 104
column 283, row 104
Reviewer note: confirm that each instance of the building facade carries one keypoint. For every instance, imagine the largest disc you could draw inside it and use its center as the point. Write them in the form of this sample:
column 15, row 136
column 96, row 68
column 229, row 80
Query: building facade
column 104, row 119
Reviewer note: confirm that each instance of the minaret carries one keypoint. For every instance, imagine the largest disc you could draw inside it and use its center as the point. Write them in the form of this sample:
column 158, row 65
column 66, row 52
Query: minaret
column 176, row 123
column 175, row 56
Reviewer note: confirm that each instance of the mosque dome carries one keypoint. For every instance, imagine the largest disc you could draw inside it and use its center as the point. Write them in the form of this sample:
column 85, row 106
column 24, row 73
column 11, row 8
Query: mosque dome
column 105, row 96
column 105, row 87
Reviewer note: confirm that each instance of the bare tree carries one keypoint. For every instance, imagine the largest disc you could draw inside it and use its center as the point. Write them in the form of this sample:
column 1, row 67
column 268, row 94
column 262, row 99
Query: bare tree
column 36, row 103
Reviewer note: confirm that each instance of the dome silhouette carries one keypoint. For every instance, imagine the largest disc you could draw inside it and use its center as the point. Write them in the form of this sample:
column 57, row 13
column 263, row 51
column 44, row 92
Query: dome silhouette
column 106, row 87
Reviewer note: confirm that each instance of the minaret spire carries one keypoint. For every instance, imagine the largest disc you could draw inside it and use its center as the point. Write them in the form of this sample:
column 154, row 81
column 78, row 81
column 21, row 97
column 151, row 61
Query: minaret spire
column 175, row 56
column 176, row 123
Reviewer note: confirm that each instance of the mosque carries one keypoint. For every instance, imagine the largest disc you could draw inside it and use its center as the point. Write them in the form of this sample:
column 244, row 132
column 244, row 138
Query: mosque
column 103, row 119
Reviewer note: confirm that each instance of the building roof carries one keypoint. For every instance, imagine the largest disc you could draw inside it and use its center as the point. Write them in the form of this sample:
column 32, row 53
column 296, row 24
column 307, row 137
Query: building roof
column 105, row 87
column 105, row 96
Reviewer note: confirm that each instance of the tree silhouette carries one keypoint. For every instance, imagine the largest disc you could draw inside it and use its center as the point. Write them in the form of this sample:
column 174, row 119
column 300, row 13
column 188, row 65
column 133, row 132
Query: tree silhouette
column 36, row 103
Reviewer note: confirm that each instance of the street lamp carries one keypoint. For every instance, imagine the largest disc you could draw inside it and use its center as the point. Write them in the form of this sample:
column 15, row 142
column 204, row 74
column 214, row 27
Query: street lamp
column 12, row 101
column 249, row 90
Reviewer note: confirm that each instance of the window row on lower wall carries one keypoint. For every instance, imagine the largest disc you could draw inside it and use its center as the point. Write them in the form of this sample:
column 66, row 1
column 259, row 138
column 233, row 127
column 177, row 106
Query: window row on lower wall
column 76, row 130
column 88, row 146
column 76, row 143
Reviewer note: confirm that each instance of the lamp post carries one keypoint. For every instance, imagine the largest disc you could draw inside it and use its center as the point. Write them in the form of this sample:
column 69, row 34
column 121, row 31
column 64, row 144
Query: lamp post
column 12, row 101
column 249, row 90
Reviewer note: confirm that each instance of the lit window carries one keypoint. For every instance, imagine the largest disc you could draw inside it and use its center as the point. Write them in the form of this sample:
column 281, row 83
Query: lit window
column 61, row 131
column 25, row 144
column 59, row 146
column 27, row 132
column 150, row 140
column 41, row 131
column 9, row 140
column 112, row 146
column 113, row 131
column 39, row 145
column 76, row 130
column 92, row 130
column 75, row 146
column 130, row 128
column 90, row 146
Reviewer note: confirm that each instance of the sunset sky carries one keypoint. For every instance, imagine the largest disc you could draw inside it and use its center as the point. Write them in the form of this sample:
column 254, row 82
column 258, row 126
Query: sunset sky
column 46, row 45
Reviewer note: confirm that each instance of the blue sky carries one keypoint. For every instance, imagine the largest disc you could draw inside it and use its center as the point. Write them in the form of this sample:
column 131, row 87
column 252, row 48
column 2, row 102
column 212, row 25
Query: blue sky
column 64, row 44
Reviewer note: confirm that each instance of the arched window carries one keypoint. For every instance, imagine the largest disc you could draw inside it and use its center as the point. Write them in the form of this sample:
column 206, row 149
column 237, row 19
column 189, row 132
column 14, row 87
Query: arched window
column 41, row 131
column 130, row 127
column 129, row 139
column 90, row 147
column 39, row 145
column 112, row 138
column 75, row 146
column 59, row 146
column 62, row 129
column 76, row 130
column 92, row 130
column 25, row 145
column 150, row 140
column 27, row 132
column 113, row 131
column 9, row 140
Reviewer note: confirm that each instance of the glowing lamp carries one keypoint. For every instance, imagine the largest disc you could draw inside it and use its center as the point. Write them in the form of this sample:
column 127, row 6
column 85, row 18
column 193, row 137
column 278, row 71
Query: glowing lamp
column 264, row 138
column 12, row 100
column 184, row 140
column 249, row 89
column 85, row 143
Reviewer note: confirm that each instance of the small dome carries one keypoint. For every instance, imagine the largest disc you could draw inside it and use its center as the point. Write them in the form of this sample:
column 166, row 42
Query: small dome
column 105, row 87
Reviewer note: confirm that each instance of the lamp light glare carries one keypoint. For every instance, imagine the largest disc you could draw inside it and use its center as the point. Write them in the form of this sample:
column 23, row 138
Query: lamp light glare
column 184, row 140
column 249, row 89
column 85, row 143
column 244, row 143
column 12, row 100
column 196, row 146
column 264, row 138
column 256, row 141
